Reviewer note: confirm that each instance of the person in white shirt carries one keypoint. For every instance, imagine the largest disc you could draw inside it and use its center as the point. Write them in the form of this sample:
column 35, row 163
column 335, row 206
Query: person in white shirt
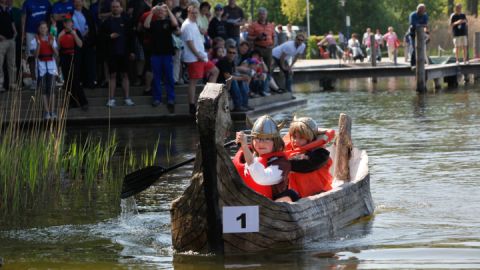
column 195, row 56
column 282, row 53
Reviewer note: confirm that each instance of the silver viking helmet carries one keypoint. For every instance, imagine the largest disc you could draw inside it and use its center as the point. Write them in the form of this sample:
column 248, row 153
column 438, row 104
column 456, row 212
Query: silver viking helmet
column 309, row 122
column 265, row 128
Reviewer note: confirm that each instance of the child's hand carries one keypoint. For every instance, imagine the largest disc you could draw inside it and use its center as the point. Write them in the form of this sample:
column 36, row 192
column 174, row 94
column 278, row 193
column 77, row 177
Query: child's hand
column 241, row 138
column 300, row 157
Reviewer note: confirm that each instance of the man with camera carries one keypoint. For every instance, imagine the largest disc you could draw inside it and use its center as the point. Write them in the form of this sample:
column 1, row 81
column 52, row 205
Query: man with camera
column 261, row 34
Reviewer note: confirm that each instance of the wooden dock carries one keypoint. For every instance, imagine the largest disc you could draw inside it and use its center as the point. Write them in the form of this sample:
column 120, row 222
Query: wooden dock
column 28, row 104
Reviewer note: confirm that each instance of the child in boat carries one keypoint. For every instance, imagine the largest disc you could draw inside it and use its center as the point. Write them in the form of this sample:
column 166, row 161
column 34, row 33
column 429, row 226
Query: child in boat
column 265, row 170
column 310, row 161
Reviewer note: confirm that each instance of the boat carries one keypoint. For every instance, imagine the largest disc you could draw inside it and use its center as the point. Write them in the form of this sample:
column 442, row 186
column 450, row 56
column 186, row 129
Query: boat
column 199, row 215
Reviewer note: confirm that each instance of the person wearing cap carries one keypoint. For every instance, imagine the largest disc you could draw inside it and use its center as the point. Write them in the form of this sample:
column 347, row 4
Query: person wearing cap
column 70, row 42
column 283, row 53
column 261, row 35
column 60, row 10
column 263, row 165
column 418, row 18
column 310, row 161
column 218, row 24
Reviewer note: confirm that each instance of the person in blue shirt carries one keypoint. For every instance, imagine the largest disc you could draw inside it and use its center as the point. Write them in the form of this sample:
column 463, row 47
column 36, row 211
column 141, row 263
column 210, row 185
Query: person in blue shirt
column 59, row 11
column 33, row 12
column 417, row 18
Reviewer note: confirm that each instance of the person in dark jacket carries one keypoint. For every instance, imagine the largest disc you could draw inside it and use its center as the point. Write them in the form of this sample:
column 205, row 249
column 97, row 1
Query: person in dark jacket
column 84, row 22
column 118, row 35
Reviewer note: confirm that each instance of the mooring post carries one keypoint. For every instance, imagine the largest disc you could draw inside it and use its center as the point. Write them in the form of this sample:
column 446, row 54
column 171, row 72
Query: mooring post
column 343, row 148
column 420, row 58
column 207, row 129
column 438, row 83
column 373, row 51
column 477, row 51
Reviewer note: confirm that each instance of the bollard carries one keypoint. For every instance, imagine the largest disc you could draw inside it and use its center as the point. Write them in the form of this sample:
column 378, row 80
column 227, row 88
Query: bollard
column 420, row 55
column 373, row 51
column 477, row 52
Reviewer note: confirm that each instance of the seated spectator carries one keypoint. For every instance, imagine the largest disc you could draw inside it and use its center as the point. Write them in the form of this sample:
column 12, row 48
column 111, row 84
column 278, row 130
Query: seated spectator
column 238, row 87
column 217, row 54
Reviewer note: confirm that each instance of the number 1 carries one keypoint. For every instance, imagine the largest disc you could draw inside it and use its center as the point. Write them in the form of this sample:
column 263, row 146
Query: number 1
column 243, row 218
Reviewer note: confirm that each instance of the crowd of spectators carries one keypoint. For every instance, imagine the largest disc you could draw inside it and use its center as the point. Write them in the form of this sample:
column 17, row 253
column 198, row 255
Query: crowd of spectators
column 155, row 43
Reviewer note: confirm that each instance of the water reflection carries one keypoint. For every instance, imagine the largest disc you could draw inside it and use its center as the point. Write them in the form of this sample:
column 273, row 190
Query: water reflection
column 419, row 105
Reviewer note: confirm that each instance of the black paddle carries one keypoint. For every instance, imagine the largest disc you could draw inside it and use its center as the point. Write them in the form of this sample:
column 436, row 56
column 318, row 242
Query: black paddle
column 140, row 180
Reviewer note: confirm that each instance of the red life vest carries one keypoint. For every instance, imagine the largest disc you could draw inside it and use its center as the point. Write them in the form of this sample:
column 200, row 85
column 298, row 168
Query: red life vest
column 67, row 43
column 239, row 162
column 46, row 51
column 311, row 183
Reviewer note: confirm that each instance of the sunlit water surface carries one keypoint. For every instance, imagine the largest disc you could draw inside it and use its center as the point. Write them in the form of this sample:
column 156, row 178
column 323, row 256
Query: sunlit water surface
column 424, row 153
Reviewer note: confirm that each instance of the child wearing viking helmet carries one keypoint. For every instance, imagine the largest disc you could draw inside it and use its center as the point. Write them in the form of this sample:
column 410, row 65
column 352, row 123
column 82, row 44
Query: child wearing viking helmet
column 310, row 161
column 265, row 169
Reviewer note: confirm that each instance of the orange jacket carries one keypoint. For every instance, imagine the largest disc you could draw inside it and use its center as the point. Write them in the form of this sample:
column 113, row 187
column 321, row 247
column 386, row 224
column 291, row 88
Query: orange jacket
column 314, row 182
column 239, row 162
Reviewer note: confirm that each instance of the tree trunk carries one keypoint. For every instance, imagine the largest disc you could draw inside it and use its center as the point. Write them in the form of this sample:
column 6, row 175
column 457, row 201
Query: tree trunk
column 472, row 7
column 450, row 5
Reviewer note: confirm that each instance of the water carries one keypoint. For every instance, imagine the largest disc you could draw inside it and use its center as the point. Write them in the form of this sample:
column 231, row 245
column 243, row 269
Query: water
column 424, row 154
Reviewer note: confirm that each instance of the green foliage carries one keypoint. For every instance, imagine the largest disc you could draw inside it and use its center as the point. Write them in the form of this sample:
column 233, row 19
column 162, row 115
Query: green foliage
column 312, row 49
column 295, row 10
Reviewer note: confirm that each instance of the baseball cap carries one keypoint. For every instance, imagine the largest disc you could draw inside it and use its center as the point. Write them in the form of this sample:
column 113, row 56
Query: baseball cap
column 218, row 7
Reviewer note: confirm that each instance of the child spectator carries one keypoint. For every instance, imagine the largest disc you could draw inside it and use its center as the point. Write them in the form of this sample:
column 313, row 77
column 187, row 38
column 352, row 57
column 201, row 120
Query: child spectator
column 44, row 48
column 217, row 54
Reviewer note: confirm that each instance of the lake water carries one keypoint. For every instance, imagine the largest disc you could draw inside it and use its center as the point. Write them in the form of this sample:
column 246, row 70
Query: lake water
column 424, row 154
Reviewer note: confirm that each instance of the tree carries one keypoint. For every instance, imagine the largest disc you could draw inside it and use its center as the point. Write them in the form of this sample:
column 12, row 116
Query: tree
column 450, row 7
column 295, row 10
column 472, row 7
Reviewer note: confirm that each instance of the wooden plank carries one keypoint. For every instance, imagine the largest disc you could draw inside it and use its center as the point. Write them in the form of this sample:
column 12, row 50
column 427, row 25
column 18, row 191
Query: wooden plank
column 344, row 148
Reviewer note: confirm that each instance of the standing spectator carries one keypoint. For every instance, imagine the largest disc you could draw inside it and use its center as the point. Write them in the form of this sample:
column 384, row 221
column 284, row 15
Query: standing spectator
column 392, row 44
column 136, row 10
column 161, row 24
column 195, row 56
column 379, row 44
column 59, row 11
column 44, row 48
column 70, row 43
column 354, row 46
column 366, row 36
column 235, row 19
column 281, row 36
column 291, row 35
column 119, row 44
column 203, row 17
column 33, row 12
column 417, row 18
column 261, row 34
column 458, row 22
column 342, row 41
column 84, row 22
column 287, row 50
column 238, row 89
column 218, row 24
column 8, row 33
column 180, row 11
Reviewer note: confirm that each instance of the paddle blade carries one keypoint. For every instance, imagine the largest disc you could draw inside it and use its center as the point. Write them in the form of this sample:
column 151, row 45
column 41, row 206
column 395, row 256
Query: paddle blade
column 140, row 180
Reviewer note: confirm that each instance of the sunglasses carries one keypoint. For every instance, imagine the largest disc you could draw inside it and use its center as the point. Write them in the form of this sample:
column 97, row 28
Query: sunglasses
column 300, row 40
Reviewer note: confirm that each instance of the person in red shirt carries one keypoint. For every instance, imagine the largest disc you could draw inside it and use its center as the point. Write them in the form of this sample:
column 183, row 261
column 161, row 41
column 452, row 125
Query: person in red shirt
column 70, row 42
column 309, row 159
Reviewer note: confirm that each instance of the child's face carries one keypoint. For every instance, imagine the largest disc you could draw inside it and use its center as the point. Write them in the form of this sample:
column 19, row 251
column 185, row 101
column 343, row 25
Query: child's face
column 298, row 140
column 43, row 29
column 221, row 52
column 263, row 146
column 256, row 56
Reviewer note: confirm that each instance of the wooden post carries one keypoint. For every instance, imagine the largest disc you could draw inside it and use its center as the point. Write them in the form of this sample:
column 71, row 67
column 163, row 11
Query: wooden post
column 343, row 148
column 207, row 117
column 438, row 84
column 420, row 60
column 373, row 51
column 477, row 51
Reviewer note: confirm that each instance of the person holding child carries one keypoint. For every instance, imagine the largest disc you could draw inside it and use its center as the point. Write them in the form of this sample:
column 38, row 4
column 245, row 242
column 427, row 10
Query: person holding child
column 263, row 165
column 310, row 161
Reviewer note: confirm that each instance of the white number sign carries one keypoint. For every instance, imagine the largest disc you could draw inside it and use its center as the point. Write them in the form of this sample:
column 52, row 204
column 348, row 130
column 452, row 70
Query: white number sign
column 240, row 219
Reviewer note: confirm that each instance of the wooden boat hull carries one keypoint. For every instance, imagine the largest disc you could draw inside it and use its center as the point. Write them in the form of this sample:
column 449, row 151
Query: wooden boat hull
column 281, row 225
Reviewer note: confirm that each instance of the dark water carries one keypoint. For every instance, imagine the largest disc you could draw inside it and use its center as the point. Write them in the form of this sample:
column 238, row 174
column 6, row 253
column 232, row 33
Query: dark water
column 424, row 153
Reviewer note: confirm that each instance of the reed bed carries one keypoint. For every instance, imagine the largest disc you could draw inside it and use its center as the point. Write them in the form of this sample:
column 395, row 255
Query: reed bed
column 38, row 165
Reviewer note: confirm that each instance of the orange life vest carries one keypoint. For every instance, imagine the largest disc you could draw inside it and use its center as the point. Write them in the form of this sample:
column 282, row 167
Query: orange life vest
column 311, row 183
column 239, row 162
column 46, row 51
column 67, row 44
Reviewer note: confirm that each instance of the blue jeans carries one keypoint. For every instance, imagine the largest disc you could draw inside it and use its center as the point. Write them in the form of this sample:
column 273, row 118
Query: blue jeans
column 239, row 93
column 162, row 68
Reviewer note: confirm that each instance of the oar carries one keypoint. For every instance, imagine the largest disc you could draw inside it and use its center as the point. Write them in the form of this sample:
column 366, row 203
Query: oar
column 140, row 180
